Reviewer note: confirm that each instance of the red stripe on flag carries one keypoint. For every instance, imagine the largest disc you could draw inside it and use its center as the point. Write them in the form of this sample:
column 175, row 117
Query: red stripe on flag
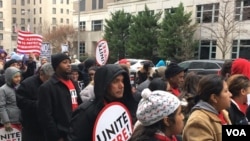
column 28, row 42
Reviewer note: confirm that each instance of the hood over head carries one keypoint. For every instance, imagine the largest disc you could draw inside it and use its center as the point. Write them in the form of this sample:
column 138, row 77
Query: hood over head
column 3, row 51
column 9, row 73
column 104, row 76
column 102, row 79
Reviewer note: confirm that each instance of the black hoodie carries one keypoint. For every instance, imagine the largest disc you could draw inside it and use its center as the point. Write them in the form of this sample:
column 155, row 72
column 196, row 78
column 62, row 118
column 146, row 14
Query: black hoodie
column 82, row 123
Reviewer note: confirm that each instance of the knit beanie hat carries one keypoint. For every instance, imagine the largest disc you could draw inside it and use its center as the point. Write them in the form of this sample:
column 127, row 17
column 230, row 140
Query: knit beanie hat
column 156, row 105
column 17, row 57
column 173, row 69
column 56, row 59
column 241, row 66
column 9, row 63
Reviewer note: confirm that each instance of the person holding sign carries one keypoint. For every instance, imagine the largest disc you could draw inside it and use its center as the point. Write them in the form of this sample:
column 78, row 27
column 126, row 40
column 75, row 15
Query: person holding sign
column 160, row 117
column 9, row 112
column 111, row 84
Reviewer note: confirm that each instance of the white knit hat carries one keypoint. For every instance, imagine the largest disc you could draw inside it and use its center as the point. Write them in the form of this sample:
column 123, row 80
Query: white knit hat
column 156, row 105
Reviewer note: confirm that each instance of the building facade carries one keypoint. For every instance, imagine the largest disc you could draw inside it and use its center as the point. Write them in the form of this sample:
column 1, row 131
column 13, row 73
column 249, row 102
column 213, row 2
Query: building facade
column 222, row 29
column 36, row 16
column 218, row 37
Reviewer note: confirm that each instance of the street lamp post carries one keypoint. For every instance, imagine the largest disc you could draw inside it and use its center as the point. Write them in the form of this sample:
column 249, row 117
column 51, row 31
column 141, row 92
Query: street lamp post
column 78, row 31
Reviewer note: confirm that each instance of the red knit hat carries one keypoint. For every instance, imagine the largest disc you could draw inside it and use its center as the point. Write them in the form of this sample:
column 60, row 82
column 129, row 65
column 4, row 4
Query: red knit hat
column 241, row 66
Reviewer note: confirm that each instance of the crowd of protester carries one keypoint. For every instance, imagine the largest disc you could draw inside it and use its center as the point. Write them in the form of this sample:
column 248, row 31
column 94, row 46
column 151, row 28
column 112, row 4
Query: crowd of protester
column 61, row 101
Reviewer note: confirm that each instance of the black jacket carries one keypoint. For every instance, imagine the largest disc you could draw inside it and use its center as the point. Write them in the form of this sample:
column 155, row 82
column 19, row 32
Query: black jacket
column 236, row 116
column 55, row 108
column 27, row 94
column 82, row 123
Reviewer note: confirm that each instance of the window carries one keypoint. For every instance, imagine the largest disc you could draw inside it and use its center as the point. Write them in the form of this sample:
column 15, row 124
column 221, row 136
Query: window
column 54, row 2
column 196, row 65
column 13, row 2
column 67, row 11
column 1, row 36
column 28, row 1
column 40, row 20
column 67, row 20
column 23, row 12
column 207, row 49
column 207, row 13
column 34, row 20
column 13, row 28
column 93, row 4
column 97, row 4
column 40, row 10
column 82, row 5
column 34, row 2
column 61, row 11
column 22, row 21
column 14, row 20
column 1, row 3
column 13, row 38
column 82, row 48
column 1, row 25
column 170, row 10
column 67, row 2
column 34, row 11
column 210, row 65
column 61, row 20
column 22, row 2
column 53, row 20
column 54, row 11
column 40, row 1
column 82, row 25
column 97, row 25
column 13, row 10
column 240, row 49
column 61, row 1
column 242, row 10
column 100, row 4
column 1, row 15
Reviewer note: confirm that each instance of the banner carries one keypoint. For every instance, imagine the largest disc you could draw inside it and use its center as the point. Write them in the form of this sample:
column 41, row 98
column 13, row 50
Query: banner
column 102, row 52
column 46, row 51
column 64, row 48
column 14, row 135
column 28, row 42
column 113, row 123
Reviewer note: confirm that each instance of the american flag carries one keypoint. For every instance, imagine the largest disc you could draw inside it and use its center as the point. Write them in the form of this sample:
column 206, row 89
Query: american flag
column 28, row 42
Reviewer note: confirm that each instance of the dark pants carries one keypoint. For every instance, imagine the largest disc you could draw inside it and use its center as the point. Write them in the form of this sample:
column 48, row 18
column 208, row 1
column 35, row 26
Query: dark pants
column 31, row 135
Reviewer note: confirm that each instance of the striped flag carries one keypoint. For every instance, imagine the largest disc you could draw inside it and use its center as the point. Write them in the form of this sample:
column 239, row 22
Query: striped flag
column 28, row 42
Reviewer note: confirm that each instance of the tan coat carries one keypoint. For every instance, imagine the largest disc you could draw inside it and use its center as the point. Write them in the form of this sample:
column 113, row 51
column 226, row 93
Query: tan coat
column 202, row 125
